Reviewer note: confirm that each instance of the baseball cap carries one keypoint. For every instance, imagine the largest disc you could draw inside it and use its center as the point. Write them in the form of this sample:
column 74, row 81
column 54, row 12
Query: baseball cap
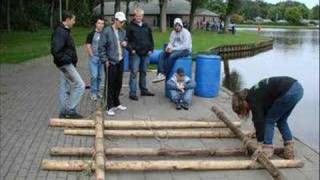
column 120, row 16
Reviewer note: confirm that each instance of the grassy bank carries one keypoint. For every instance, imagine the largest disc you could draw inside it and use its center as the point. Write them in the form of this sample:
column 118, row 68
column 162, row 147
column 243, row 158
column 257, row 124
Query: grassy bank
column 277, row 26
column 19, row 46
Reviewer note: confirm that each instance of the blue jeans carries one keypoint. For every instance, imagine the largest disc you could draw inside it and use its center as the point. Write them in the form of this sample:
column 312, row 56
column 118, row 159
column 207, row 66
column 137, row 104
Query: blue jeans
column 167, row 60
column 71, row 88
column 96, row 73
column 279, row 113
column 138, row 64
column 178, row 96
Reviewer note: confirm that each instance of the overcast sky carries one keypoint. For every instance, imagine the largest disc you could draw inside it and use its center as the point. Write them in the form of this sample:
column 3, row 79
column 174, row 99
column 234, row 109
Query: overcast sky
column 308, row 3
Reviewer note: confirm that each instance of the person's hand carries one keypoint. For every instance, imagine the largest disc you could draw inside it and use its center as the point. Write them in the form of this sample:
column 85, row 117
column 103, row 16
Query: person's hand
column 133, row 51
column 124, row 43
column 107, row 63
column 168, row 50
column 150, row 52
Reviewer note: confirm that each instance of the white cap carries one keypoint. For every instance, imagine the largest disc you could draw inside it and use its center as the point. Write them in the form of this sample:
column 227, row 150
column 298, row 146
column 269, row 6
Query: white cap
column 120, row 16
column 178, row 21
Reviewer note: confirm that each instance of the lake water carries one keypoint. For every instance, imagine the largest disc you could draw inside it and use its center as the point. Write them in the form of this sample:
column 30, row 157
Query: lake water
column 295, row 53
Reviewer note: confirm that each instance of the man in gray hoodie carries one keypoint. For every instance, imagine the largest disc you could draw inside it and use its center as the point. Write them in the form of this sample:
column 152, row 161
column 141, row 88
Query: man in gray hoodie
column 180, row 45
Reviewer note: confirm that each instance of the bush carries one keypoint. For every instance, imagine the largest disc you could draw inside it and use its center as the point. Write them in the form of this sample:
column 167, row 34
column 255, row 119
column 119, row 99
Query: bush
column 236, row 18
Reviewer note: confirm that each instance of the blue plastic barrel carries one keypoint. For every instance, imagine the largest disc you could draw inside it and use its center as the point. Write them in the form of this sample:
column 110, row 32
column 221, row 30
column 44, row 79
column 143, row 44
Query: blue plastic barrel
column 126, row 61
column 207, row 75
column 186, row 64
column 155, row 56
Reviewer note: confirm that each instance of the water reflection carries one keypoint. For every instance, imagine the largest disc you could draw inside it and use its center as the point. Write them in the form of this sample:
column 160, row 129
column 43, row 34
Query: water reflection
column 295, row 53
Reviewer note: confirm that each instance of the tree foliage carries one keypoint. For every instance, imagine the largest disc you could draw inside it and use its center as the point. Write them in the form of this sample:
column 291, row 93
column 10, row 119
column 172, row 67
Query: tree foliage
column 293, row 15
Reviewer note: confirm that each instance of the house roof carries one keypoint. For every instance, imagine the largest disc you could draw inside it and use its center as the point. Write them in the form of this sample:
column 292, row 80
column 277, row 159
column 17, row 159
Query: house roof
column 176, row 7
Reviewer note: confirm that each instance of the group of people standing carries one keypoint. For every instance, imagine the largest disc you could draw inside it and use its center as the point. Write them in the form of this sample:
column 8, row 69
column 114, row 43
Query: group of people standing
column 106, row 48
column 270, row 101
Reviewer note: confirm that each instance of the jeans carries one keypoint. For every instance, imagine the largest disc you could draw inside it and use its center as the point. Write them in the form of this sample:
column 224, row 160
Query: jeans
column 115, row 74
column 96, row 73
column 167, row 60
column 71, row 88
column 279, row 113
column 138, row 64
column 178, row 96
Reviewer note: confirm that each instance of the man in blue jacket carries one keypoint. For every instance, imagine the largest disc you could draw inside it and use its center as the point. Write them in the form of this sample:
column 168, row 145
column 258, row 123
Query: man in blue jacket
column 181, row 88
column 65, row 58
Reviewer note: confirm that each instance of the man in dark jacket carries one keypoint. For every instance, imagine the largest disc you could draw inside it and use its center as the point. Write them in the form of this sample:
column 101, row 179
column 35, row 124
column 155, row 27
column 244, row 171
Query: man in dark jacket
column 271, row 102
column 140, row 45
column 65, row 57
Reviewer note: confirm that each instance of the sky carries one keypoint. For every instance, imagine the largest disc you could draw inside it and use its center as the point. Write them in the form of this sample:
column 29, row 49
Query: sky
column 308, row 3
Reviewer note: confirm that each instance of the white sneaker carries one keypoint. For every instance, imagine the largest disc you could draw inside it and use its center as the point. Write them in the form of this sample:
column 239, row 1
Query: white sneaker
column 160, row 77
column 93, row 97
column 111, row 112
column 122, row 108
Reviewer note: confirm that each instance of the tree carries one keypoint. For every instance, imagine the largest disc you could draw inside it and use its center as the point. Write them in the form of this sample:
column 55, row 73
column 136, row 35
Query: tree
column 128, row 8
column 117, row 6
column 194, row 5
column 102, row 7
column 315, row 12
column 8, row 16
column 233, row 7
column 293, row 15
column 217, row 6
column 163, row 15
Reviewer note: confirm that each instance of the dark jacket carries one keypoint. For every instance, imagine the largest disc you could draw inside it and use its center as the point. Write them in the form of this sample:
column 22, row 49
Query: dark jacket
column 108, row 45
column 63, row 47
column 262, row 96
column 139, row 38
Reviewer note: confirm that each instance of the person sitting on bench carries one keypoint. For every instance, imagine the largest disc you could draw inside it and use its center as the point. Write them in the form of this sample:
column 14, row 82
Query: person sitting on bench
column 180, row 88
column 271, row 101
column 180, row 45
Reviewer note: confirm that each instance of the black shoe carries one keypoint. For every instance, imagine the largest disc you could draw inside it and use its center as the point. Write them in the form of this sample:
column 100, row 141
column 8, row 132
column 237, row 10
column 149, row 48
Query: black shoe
column 134, row 98
column 73, row 115
column 147, row 93
column 185, row 106
column 178, row 106
column 62, row 115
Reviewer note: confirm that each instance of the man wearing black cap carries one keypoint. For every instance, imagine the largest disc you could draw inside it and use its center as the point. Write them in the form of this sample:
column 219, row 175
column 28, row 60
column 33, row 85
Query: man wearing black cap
column 180, row 88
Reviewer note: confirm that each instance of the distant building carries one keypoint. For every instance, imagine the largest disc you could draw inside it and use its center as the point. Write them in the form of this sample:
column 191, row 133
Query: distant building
column 175, row 8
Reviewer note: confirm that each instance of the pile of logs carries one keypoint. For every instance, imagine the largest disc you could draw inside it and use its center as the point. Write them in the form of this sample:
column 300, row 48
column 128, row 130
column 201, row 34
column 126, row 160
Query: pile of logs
column 100, row 128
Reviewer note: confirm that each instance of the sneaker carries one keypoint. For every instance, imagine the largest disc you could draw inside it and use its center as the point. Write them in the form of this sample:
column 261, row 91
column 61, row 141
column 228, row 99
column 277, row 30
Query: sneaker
column 185, row 106
column 94, row 97
column 178, row 106
column 73, row 115
column 160, row 77
column 100, row 96
column 147, row 93
column 111, row 112
column 122, row 108
column 135, row 98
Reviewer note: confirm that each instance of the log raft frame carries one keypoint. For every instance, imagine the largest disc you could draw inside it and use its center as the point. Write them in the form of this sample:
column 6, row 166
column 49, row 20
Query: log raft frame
column 143, row 128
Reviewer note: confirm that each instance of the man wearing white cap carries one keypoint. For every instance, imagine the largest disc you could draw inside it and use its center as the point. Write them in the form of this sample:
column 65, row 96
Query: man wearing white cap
column 111, row 51
column 180, row 45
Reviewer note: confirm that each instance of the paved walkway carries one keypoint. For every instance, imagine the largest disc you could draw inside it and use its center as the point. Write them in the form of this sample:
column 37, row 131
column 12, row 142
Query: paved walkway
column 29, row 99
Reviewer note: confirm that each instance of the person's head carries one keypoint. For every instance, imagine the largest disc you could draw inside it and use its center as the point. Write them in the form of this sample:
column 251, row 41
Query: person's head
column 177, row 24
column 138, row 15
column 119, row 19
column 240, row 104
column 99, row 23
column 180, row 74
column 68, row 19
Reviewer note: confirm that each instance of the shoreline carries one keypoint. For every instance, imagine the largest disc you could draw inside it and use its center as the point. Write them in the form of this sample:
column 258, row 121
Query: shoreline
column 276, row 26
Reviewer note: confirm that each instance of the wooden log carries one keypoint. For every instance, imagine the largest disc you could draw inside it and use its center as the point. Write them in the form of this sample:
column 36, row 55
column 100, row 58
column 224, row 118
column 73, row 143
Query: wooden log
column 250, row 145
column 99, row 145
column 138, row 124
column 78, row 165
column 74, row 151
column 157, row 133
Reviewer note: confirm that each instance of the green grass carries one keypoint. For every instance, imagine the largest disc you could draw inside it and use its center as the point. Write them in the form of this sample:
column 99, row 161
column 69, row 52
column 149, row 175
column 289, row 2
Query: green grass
column 278, row 26
column 19, row 46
